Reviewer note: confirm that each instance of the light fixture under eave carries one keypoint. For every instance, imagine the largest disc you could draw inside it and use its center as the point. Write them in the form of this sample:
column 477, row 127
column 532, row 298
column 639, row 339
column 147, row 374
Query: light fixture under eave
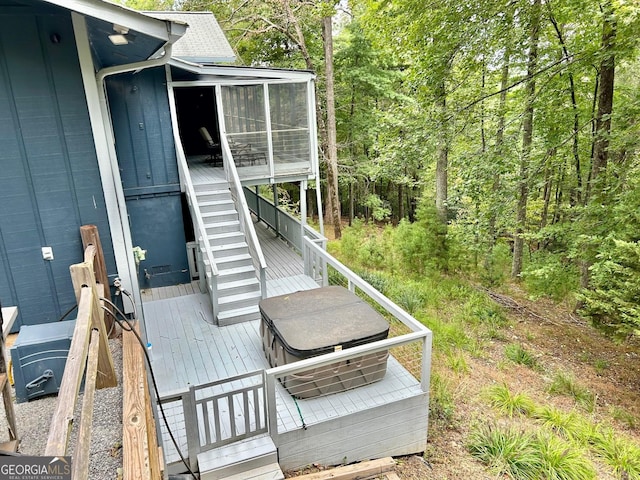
column 118, row 39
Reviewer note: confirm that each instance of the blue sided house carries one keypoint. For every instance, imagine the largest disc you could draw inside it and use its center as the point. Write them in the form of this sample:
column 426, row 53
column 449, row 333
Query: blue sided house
column 140, row 123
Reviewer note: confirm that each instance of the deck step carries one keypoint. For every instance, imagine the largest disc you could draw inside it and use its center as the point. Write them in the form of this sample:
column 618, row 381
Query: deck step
column 213, row 195
column 223, row 227
column 238, row 286
column 233, row 274
column 268, row 472
column 239, row 315
column 226, row 237
column 215, row 205
column 237, row 458
column 229, row 250
column 241, row 300
column 234, row 261
column 219, row 216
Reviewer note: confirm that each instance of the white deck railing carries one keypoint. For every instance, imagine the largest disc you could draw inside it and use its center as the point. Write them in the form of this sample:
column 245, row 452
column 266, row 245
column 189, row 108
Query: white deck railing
column 246, row 224
column 203, row 252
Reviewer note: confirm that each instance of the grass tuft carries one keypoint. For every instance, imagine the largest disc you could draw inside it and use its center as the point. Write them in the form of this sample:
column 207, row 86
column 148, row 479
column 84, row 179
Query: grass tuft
column 506, row 450
column 518, row 354
column 565, row 384
column 621, row 454
column 507, row 403
column 568, row 425
column 562, row 461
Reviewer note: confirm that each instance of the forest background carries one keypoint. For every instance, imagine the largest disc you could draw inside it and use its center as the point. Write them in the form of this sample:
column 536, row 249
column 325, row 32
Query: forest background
column 480, row 152
column 501, row 137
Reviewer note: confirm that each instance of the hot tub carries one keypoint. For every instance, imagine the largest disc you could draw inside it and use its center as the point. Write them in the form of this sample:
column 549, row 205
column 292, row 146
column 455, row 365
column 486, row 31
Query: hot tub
column 323, row 320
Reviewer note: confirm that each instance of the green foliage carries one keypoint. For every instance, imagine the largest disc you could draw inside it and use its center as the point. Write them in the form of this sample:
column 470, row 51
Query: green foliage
column 566, row 384
column 441, row 404
column 568, row 425
column 612, row 300
column 508, row 403
column 496, row 266
column 622, row 416
column 522, row 455
column 457, row 362
column 551, row 275
column 621, row 454
column 518, row 354
column 506, row 450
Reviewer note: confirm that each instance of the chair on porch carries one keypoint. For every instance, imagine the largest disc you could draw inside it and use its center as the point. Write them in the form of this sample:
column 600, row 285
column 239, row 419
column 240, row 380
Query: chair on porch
column 215, row 150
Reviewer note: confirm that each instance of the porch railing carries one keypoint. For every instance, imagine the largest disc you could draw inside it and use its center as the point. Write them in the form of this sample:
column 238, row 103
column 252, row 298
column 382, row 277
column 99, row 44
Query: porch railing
column 221, row 412
column 209, row 274
column 282, row 222
column 246, row 224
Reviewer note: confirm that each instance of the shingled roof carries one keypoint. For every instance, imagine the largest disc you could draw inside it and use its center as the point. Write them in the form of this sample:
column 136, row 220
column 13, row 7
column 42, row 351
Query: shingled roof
column 204, row 41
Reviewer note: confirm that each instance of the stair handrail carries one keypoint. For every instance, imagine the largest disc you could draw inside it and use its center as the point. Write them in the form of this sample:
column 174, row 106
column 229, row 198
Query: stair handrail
column 243, row 213
column 196, row 217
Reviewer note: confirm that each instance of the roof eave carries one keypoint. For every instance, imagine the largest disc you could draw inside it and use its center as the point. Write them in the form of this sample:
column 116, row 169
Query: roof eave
column 166, row 30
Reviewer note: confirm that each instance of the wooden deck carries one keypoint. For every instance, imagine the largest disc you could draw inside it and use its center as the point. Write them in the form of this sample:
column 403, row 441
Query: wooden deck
column 189, row 349
column 388, row 417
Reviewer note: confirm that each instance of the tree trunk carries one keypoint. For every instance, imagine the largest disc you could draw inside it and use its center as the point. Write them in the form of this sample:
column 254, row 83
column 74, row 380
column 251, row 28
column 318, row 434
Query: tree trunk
column 332, row 143
column 443, row 155
column 600, row 149
column 527, row 136
column 605, row 96
column 576, row 195
column 502, row 109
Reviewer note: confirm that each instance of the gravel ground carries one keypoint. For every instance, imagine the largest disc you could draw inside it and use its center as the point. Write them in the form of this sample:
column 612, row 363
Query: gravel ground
column 34, row 418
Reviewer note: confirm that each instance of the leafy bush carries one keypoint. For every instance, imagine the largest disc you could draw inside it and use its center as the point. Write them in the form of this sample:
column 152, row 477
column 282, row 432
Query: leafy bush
column 551, row 275
column 612, row 300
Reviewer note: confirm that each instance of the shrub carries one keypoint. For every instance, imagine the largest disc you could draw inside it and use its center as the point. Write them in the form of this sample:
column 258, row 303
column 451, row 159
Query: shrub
column 612, row 300
column 550, row 274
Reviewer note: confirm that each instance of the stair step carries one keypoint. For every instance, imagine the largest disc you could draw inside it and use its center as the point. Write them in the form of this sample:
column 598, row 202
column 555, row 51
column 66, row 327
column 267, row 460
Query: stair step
column 223, row 227
column 234, row 261
column 211, row 185
column 232, row 274
column 226, row 237
column 215, row 205
column 213, row 195
column 237, row 458
column 241, row 300
column 238, row 286
column 238, row 315
column 268, row 472
column 219, row 216
column 229, row 250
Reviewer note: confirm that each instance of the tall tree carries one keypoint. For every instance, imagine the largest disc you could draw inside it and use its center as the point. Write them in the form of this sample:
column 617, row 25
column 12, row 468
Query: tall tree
column 527, row 139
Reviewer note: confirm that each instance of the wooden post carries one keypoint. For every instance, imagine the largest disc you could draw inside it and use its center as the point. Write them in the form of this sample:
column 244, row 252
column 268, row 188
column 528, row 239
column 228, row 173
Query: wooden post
column 90, row 236
column 135, row 441
column 60, row 429
column 81, row 275
column 5, row 388
column 81, row 458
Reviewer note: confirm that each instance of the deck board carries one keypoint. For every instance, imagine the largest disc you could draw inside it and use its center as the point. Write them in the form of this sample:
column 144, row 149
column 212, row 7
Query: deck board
column 188, row 350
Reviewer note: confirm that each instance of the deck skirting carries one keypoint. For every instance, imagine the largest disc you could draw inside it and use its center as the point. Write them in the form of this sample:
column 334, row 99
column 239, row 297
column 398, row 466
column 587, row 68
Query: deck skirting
column 399, row 428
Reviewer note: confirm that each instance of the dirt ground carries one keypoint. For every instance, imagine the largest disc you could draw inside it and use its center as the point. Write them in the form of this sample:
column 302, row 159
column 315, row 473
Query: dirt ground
column 561, row 342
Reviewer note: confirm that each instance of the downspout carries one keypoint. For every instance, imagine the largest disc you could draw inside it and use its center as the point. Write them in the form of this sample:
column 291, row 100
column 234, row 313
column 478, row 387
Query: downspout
column 101, row 75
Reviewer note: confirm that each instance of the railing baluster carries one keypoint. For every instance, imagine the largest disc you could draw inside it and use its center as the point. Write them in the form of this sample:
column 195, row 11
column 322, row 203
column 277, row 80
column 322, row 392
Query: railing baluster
column 232, row 415
column 256, row 409
column 216, row 419
column 205, row 419
column 247, row 420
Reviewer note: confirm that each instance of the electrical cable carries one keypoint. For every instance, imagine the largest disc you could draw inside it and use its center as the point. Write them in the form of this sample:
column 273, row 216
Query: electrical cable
column 130, row 328
column 68, row 312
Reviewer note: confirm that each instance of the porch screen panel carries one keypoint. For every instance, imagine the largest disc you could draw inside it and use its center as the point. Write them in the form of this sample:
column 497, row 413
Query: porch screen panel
column 246, row 127
column 289, row 110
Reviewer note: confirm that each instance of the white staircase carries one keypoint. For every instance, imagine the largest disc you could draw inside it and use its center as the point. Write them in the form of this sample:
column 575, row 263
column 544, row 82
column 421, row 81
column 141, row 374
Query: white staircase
column 238, row 287
column 252, row 459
